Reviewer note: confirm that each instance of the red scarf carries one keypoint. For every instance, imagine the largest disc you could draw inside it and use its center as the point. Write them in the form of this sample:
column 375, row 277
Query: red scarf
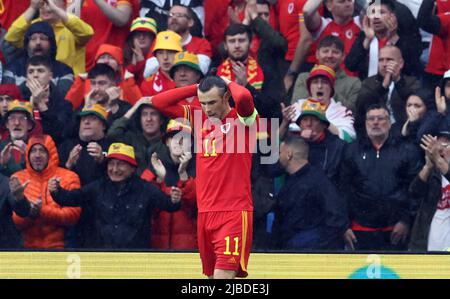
column 255, row 76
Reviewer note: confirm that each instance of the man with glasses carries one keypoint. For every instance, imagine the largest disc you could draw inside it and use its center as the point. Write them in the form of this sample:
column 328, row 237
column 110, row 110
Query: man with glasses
column 8, row 93
column 181, row 21
column 159, row 10
column 19, row 122
column 375, row 175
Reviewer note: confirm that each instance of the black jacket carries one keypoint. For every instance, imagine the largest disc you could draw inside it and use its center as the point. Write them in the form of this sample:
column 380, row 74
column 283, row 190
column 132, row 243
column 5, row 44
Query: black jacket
column 375, row 183
column 308, row 200
column 58, row 115
column 271, row 53
column 121, row 217
column 357, row 59
column 410, row 43
column 9, row 235
column 373, row 92
column 86, row 167
column 327, row 154
column 427, row 194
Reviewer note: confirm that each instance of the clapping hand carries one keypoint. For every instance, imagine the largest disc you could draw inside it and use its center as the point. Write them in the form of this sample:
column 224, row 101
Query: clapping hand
column 175, row 194
column 159, row 168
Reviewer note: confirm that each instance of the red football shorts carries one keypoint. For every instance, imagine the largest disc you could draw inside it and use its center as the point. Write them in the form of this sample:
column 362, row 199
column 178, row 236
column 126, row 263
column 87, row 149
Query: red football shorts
column 225, row 241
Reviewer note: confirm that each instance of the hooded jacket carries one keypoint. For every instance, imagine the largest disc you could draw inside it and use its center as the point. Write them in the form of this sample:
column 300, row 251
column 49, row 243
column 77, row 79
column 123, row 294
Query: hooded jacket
column 130, row 132
column 15, row 72
column 71, row 36
column 125, row 80
column 47, row 229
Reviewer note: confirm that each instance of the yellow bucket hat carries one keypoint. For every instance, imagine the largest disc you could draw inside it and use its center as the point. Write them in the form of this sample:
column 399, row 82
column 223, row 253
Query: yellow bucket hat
column 144, row 24
column 167, row 40
column 185, row 58
column 122, row 152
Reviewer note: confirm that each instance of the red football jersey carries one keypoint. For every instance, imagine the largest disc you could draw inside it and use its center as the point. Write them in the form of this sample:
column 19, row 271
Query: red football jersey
column 223, row 165
column 437, row 61
column 347, row 33
column 290, row 14
column 223, row 149
column 10, row 10
column 104, row 30
column 199, row 45
column 444, row 35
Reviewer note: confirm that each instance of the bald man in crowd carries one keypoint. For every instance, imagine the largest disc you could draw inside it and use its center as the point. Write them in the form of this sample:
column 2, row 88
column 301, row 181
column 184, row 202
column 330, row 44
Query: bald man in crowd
column 389, row 87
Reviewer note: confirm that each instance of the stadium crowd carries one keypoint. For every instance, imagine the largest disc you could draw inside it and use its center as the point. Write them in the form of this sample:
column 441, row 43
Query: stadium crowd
column 357, row 97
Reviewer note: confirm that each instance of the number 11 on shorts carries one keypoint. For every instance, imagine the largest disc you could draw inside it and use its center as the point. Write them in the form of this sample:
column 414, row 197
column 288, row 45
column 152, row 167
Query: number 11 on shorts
column 236, row 246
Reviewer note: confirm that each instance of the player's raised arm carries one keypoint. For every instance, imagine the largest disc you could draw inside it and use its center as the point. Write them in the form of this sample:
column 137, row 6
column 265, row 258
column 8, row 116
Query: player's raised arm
column 244, row 103
column 167, row 101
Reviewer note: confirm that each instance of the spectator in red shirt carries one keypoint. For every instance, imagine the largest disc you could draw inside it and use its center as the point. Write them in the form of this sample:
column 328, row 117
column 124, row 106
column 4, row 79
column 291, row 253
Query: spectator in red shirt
column 439, row 26
column 343, row 24
column 111, row 21
column 167, row 44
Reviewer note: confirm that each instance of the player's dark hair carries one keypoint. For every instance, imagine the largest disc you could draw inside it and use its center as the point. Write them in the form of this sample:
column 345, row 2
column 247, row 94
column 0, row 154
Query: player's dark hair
column 331, row 40
column 209, row 82
column 234, row 29
column 39, row 60
column 102, row 69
